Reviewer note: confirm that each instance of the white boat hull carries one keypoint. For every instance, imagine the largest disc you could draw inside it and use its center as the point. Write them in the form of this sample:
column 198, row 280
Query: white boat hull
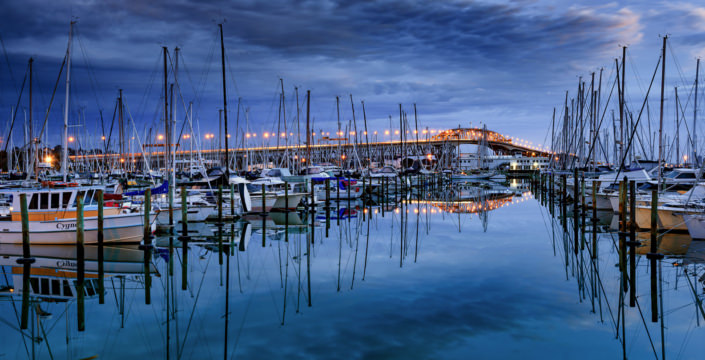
column 275, row 201
column 696, row 225
column 124, row 228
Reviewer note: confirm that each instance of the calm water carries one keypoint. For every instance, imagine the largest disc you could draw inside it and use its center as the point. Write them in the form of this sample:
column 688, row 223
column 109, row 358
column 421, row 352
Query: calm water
column 426, row 280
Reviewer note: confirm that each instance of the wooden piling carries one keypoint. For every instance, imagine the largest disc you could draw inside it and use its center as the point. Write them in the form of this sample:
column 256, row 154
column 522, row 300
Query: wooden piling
column 26, row 261
column 286, row 213
column 327, row 206
column 576, row 211
column 348, row 188
column 147, row 210
column 81, row 262
column 623, row 188
column 147, row 247
column 632, row 243
column 594, row 220
column 184, row 238
column 220, row 224
column 264, row 216
column 564, row 202
column 653, row 255
column 101, row 259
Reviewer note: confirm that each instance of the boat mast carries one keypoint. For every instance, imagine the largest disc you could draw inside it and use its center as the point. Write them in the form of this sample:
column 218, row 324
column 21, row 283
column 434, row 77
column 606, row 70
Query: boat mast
column 695, row 114
column 28, row 130
column 660, row 127
column 65, row 138
column 225, row 103
column 166, row 114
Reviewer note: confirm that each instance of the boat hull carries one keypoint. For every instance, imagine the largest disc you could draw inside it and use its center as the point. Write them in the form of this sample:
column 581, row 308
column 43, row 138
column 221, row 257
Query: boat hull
column 125, row 228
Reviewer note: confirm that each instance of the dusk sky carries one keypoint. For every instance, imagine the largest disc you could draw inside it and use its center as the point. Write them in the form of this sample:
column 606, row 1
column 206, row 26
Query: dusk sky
column 505, row 64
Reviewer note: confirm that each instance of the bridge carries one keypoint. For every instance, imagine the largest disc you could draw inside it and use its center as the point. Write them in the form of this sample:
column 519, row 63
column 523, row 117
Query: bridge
column 440, row 150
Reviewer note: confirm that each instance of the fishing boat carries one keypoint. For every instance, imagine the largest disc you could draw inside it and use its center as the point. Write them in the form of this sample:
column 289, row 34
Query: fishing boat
column 52, row 216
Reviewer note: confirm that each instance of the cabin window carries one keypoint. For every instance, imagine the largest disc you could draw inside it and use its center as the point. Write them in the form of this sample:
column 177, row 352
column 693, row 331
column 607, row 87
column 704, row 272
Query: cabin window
column 33, row 202
column 56, row 286
column 67, row 288
column 55, row 200
column 66, row 197
column 44, row 288
column 89, row 288
column 686, row 176
column 34, row 282
column 80, row 193
column 89, row 197
column 43, row 201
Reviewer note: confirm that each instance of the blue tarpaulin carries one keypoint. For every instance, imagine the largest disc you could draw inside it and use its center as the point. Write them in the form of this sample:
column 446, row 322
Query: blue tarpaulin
column 161, row 189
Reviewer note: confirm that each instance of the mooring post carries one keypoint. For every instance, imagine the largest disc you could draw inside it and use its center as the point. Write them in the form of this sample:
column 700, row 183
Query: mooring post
column 184, row 238
column 594, row 220
column 362, row 197
column 264, row 216
column 576, row 210
column 220, row 224
column 623, row 186
column 632, row 243
column 286, row 213
column 101, row 269
column 327, row 207
column 147, row 247
column 81, row 264
column 583, row 210
column 348, row 186
column 653, row 255
column 26, row 261
column 564, row 202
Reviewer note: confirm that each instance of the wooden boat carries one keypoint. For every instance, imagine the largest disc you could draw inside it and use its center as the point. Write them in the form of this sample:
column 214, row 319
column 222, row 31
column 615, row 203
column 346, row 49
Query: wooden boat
column 52, row 217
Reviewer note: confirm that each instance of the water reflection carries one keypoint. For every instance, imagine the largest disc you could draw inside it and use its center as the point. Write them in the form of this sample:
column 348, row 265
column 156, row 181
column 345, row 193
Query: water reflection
column 652, row 303
column 365, row 279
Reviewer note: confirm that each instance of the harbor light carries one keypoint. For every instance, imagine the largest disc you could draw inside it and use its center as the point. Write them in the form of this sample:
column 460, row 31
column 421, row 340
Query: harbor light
column 342, row 156
column 71, row 139
column 160, row 137
column 187, row 136
column 386, row 132
column 48, row 159
column 102, row 137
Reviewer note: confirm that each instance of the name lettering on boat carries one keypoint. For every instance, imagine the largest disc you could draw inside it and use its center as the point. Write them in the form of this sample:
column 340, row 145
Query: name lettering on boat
column 66, row 264
column 65, row 226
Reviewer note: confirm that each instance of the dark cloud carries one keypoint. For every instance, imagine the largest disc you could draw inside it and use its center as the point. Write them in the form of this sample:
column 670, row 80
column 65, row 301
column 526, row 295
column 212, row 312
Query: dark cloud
column 459, row 60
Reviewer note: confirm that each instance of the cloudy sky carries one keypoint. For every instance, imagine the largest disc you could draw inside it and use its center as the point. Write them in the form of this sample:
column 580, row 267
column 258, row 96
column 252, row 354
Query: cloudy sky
column 506, row 64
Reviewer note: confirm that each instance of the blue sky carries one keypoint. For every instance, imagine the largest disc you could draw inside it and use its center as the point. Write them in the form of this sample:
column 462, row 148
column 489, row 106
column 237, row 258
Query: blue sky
column 504, row 63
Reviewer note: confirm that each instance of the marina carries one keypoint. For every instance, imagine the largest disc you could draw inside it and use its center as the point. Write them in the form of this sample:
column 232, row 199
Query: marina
column 416, row 199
